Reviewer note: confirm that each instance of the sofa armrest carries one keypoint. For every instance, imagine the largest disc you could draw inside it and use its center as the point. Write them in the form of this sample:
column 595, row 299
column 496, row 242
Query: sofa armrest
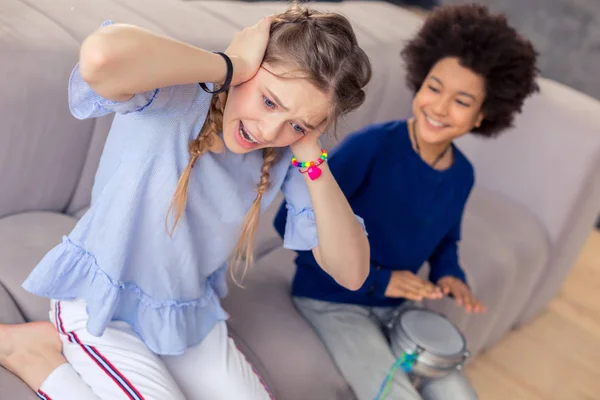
column 550, row 164
column 9, row 311
column 11, row 387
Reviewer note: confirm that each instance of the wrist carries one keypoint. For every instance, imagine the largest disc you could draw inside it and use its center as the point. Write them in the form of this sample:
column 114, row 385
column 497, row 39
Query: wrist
column 238, row 70
column 307, row 153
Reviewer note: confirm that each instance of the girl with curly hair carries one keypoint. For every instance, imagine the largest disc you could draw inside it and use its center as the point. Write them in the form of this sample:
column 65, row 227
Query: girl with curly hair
column 470, row 72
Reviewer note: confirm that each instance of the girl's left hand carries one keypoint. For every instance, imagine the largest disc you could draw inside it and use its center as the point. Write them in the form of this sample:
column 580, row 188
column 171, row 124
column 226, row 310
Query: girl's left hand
column 451, row 285
column 308, row 147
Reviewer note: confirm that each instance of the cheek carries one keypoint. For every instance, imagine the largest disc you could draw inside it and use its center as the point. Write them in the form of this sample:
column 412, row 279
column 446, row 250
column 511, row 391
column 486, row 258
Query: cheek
column 240, row 102
column 287, row 138
column 422, row 99
column 464, row 118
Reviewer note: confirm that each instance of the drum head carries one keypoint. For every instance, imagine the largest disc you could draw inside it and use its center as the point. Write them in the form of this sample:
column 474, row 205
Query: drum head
column 433, row 332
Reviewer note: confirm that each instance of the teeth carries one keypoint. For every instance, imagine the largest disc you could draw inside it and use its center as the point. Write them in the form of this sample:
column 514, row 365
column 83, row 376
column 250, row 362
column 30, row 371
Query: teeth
column 247, row 136
column 434, row 122
column 252, row 137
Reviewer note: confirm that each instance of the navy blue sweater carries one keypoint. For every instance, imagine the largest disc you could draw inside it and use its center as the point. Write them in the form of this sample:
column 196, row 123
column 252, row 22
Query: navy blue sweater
column 412, row 213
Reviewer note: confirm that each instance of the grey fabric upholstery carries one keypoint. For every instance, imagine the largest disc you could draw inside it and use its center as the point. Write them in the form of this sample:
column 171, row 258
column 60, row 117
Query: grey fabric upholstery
column 24, row 239
column 11, row 387
column 550, row 164
column 536, row 198
column 503, row 251
column 279, row 336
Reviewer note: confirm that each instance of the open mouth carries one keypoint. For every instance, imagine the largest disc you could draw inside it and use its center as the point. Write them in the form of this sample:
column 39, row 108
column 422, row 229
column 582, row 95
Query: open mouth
column 247, row 136
column 434, row 123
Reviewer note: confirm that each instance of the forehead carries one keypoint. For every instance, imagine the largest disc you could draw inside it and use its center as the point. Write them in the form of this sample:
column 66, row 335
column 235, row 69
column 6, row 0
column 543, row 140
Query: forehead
column 454, row 76
column 298, row 94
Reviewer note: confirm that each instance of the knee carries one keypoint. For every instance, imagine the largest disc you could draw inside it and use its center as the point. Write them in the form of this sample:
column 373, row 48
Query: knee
column 454, row 386
column 220, row 385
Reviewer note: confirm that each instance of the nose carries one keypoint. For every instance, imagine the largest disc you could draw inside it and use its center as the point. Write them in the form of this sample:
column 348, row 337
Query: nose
column 269, row 128
column 441, row 105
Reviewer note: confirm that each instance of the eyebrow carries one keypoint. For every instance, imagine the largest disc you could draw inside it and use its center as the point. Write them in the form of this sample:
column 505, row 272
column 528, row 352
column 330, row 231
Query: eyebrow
column 280, row 104
column 461, row 93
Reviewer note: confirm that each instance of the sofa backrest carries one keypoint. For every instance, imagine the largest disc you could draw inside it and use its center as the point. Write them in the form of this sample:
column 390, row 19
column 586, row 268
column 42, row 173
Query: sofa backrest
column 550, row 161
column 48, row 158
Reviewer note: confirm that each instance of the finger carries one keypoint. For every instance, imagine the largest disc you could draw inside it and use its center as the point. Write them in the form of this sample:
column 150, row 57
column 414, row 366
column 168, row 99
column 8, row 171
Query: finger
column 435, row 292
column 455, row 292
column 479, row 308
column 474, row 304
column 266, row 22
column 409, row 294
column 469, row 303
column 400, row 291
column 424, row 287
column 411, row 282
column 444, row 288
column 467, row 299
column 426, row 290
column 418, row 286
column 415, row 292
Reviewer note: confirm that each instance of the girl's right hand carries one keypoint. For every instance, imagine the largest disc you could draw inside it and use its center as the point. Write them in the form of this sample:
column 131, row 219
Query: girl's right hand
column 407, row 285
column 247, row 50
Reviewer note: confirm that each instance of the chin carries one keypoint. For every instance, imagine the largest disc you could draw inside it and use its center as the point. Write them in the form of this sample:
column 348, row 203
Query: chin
column 231, row 144
column 433, row 134
column 234, row 142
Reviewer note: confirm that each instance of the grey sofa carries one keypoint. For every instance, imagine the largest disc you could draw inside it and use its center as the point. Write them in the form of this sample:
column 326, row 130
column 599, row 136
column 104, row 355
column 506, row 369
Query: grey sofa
column 536, row 197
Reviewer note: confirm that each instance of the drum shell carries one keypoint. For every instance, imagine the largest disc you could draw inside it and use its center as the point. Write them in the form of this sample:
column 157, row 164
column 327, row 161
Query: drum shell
column 428, row 363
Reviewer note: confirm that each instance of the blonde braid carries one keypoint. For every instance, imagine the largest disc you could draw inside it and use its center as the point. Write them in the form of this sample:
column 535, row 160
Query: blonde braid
column 245, row 246
column 208, row 139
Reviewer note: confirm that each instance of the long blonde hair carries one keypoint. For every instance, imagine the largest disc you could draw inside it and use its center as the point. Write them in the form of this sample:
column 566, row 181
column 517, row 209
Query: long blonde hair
column 323, row 47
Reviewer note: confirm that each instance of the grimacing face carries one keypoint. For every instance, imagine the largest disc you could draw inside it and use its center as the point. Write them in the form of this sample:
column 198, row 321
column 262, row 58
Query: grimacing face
column 271, row 111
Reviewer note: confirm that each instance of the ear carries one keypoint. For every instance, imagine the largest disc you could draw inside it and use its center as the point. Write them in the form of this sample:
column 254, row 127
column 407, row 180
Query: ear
column 479, row 119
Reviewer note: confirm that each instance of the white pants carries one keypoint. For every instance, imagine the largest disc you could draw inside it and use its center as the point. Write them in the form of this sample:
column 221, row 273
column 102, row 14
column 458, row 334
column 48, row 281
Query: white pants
column 118, row 365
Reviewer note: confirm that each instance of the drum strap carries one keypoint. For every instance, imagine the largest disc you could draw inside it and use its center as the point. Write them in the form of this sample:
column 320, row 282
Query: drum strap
column 405, row 362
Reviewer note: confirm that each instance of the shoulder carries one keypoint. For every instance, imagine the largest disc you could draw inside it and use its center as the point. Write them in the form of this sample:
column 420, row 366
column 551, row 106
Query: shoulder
column 465, row 169
column 377, row 131
column 372, row 137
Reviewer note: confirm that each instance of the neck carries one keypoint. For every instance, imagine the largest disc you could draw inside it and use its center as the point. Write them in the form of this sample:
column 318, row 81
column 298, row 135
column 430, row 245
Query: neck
column 429, row 152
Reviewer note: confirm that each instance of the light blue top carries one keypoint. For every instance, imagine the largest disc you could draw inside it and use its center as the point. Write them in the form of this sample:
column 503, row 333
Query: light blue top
column 120, row 259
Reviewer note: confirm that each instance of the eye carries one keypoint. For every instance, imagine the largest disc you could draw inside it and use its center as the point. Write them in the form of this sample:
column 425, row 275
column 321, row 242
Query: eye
column 433, row 89
column 462, row 103
column 268, row 102
column 298, row 128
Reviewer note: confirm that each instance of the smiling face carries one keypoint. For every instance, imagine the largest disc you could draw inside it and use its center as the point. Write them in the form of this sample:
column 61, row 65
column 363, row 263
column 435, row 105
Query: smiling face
column 448, row 104
column 271, row 111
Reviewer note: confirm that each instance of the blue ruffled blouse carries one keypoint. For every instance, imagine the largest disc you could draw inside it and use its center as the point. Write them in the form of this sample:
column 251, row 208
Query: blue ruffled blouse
column 120, row 258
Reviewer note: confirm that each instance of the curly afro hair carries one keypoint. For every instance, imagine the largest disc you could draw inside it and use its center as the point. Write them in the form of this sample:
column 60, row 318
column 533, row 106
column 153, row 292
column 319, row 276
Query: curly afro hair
column 485, row 44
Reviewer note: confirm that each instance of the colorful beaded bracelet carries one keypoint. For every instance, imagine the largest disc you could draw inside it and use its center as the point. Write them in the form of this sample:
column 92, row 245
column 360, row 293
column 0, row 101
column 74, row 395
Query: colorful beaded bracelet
column 312, row 167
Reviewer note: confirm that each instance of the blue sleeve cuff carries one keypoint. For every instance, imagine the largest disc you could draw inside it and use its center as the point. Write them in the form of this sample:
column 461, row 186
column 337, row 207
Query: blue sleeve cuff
column 85, row 103
column 377, row 282
column 301, row 229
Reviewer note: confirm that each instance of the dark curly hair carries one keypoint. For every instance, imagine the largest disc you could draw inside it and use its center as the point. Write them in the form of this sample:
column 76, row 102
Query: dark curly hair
column 485, row 44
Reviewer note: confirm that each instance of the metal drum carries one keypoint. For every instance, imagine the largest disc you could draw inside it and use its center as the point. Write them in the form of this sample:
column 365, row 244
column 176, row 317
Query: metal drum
column 435, row 346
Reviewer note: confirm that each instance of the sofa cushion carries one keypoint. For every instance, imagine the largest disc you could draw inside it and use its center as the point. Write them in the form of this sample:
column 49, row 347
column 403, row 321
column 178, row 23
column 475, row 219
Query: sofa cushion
column 503, row 252
column 297, row 364
column 9, row 383
column 24, row 240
